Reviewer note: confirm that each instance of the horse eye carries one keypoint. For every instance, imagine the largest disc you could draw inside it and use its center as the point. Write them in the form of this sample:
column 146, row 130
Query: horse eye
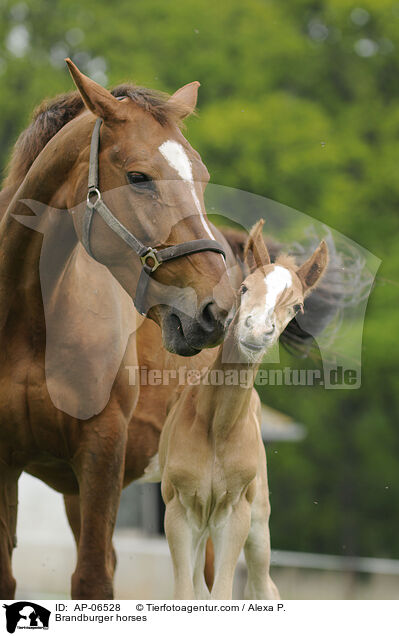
column 243, row 289
column 141, row 181
column 298, row 308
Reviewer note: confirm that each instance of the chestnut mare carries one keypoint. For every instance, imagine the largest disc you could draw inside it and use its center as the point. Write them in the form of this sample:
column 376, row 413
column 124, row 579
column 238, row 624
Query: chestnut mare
column 90, row 452
column 74, row 421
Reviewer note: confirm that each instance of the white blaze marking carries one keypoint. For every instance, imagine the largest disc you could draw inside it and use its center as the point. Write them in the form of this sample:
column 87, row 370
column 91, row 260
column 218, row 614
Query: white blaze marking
column 176, row 157
column 276, row 281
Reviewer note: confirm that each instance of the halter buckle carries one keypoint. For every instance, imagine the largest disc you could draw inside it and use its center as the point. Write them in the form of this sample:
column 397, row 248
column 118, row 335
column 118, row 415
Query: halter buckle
column 151, row 253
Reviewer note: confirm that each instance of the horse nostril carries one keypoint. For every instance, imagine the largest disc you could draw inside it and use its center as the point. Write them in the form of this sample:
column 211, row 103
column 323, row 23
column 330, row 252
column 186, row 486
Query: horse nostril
column 210, row 316
column 248, row 321
column 270, row 331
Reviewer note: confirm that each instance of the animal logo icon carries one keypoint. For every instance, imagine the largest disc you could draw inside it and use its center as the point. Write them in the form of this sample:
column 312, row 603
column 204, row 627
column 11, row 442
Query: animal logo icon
column 26, row 615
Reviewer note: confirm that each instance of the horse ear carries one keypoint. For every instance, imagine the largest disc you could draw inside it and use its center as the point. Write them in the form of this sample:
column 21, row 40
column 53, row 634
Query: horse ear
column 186, row 98
column 97, row 99
column 256, row 245
column 313, row 269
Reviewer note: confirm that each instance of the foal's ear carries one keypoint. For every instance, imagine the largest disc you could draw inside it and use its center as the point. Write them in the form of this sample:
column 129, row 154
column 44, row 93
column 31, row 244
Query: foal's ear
column 256, row 245
column 313, row 269
column 97, row 99
column 186, row 98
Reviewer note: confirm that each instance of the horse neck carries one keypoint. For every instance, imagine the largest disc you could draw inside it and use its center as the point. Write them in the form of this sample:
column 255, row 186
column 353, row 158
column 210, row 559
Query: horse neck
column 20, row 246
column 224, row 407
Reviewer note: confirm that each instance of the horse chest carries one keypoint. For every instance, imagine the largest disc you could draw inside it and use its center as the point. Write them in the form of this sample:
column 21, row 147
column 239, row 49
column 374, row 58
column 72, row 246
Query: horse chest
column 208, row 489
column 211, row 506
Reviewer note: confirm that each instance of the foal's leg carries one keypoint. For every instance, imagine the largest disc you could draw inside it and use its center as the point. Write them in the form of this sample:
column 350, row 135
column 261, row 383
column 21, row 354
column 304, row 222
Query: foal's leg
column 179, row 536
column 228, row 540
column 257, row 547
column 8, row 523
column 200, row 584
column 99, row 467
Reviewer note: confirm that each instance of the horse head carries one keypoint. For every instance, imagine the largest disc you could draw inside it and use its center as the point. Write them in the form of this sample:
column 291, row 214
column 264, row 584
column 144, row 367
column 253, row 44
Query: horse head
column 272, row 294
column 152, row 184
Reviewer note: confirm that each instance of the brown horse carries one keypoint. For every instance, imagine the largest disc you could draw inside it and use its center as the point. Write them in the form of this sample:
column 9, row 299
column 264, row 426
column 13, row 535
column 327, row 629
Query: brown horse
column 66, row 412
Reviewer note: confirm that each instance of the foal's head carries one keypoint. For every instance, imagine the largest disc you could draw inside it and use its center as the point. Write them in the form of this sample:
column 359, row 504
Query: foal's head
column 272, row 294
column 153, row 182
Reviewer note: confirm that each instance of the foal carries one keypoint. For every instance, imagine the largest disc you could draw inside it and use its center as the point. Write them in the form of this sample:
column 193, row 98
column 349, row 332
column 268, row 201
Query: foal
column 212, row 458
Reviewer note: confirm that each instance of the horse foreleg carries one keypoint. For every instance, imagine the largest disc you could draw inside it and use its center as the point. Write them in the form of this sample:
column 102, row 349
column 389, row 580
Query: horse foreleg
column 257, row 555
column 72, row 509
column 257, row 546
column 8, row 523
column 228, row 539
column 99, row 468
column 201, row 588
column 180, row 539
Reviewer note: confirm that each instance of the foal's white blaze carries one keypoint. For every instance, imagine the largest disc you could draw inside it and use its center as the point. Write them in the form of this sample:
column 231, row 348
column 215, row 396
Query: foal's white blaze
column 176, row 157
column 267, row 296
column 276, row 282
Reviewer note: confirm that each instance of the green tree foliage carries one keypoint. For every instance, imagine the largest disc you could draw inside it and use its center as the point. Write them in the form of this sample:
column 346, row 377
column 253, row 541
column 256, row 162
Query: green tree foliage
column 299, row 102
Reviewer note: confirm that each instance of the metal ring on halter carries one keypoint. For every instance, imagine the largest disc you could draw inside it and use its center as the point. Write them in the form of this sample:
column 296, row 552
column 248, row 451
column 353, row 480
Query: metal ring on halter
column 152, row 252
column 151, row 258
column 92, row 191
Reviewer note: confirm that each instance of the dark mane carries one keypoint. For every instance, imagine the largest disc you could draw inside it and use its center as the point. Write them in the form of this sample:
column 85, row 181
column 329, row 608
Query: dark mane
column 53, row 114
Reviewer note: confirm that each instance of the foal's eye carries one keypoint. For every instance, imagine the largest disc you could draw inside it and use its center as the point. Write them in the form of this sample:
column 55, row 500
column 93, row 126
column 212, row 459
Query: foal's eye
column 243, row 289
column 141, row 181
column 298, row 308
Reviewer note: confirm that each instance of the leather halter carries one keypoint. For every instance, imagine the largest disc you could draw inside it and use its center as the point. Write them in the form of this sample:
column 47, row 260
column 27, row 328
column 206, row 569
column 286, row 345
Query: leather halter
column 150, row 257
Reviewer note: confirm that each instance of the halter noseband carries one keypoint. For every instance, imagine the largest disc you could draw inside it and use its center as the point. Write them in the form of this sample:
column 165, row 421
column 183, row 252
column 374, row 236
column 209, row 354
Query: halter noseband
column 150, row 257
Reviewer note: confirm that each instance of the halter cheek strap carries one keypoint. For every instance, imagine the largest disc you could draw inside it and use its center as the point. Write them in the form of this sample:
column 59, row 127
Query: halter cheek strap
column 151, row 258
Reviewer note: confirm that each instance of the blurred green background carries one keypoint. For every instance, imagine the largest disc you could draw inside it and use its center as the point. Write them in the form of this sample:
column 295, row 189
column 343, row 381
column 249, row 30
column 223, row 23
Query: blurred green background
column 300, row 103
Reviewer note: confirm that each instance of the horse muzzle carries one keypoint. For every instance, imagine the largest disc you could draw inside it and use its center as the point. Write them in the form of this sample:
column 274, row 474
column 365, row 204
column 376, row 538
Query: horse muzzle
column 186, row 335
